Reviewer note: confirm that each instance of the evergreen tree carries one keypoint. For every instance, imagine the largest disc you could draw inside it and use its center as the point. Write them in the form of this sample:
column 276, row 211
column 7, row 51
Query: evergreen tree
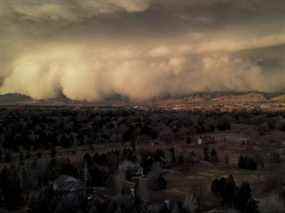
column 243, row 196
column 214, row 156
column 206, row 154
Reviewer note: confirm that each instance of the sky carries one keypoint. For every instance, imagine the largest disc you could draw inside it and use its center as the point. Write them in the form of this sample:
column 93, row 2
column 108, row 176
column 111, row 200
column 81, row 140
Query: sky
column 141, row 49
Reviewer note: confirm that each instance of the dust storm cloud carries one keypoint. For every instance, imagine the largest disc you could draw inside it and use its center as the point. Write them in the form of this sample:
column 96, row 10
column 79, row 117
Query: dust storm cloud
column 142, row 49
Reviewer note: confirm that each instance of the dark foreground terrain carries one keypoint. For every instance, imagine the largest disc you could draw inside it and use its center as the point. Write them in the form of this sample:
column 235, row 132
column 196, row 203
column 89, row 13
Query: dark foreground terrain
column 134, row 159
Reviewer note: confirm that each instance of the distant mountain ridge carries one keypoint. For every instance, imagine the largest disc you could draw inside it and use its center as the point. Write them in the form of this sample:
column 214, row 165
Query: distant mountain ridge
column 248, row 97
column 280, row 98
column 14, row 98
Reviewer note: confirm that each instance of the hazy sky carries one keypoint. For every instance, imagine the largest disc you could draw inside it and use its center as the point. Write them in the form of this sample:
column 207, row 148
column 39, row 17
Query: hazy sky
column 93, row 49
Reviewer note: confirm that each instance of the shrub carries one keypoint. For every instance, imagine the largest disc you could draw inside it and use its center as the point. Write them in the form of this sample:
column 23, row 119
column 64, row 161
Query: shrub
column 239, row 197
column 246, row 162
column 225, row 188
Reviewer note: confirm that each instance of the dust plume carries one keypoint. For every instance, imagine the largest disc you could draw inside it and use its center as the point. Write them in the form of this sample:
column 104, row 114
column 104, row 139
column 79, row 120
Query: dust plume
column 142, row 49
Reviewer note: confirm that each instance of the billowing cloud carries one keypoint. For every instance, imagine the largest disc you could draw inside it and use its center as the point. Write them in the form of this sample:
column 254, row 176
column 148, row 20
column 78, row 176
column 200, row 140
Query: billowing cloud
column 93, row 49
column 139, row 74
column 70, row 10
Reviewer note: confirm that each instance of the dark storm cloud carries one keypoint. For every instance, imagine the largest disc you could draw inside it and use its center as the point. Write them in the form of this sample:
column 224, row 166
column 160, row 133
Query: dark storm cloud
column 92, row 49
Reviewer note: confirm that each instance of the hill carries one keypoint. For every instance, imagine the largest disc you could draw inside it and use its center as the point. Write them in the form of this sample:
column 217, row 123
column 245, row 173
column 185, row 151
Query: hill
column 12, row 98
column 280, row 99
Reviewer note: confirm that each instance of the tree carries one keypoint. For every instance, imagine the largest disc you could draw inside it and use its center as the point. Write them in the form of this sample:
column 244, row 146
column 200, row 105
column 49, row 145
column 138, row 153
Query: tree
column 243, row 196
column 224, row 123
column 252, row 206
column 233, row 196
column 53, row 152
column 246, row 162
column 10, row 185
column 214, row 156
column 206, row 154
column 173, row 156
column 8, row 157
column 227, row 159
column 225, row 188
column 230, row 190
